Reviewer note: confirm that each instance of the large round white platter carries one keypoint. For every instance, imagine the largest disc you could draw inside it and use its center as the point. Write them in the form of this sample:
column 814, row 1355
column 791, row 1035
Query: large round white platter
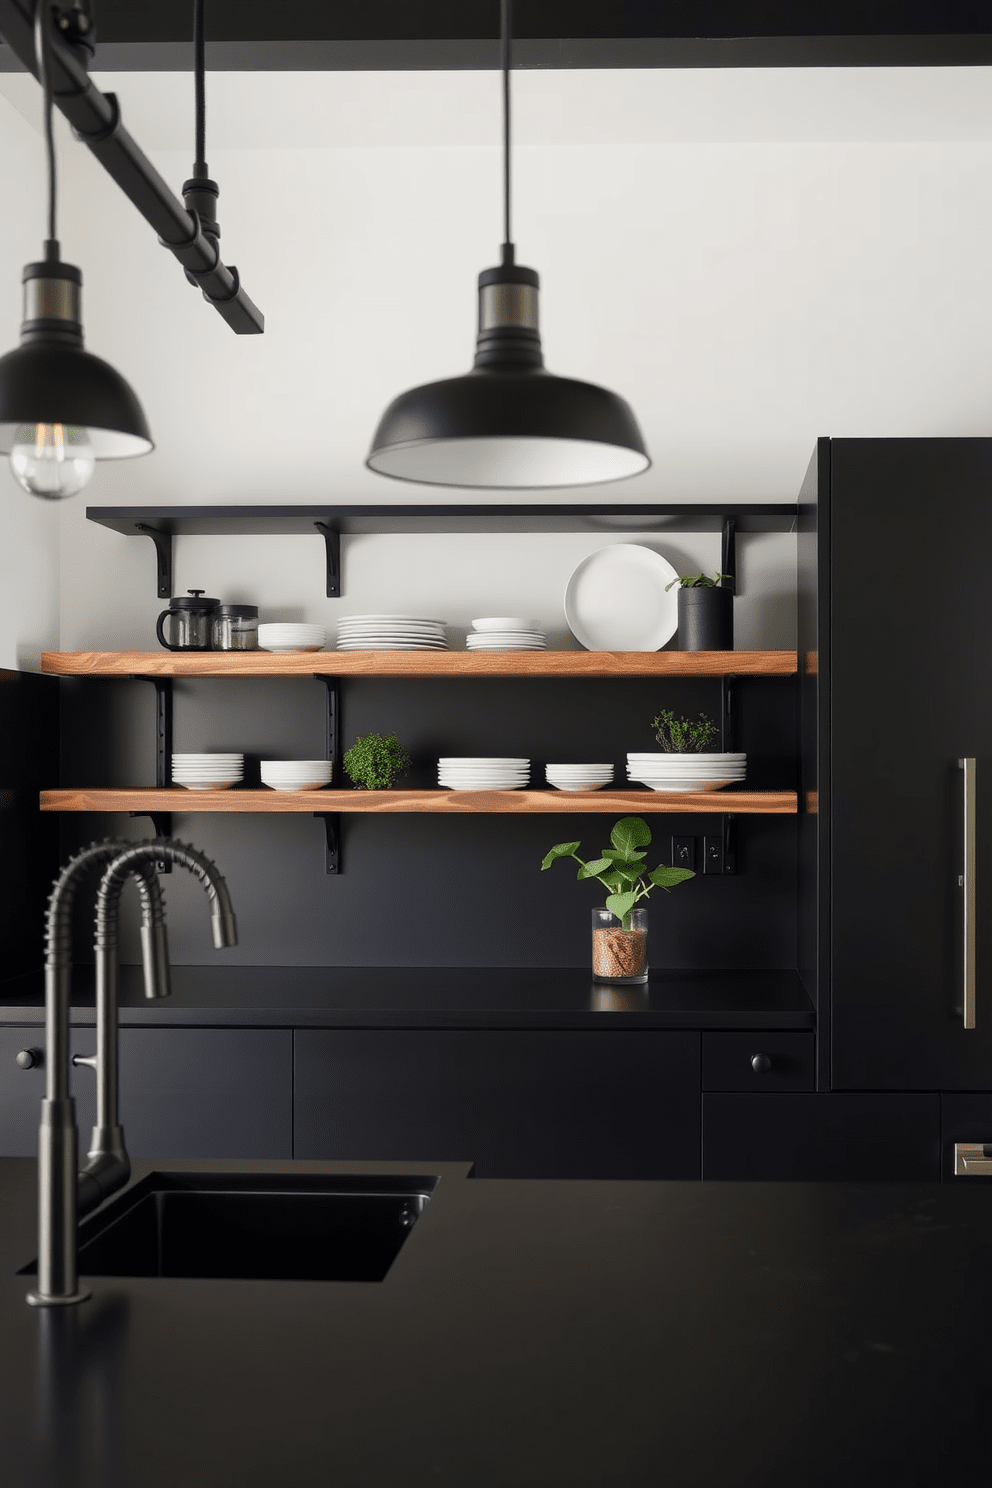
column 616, row 600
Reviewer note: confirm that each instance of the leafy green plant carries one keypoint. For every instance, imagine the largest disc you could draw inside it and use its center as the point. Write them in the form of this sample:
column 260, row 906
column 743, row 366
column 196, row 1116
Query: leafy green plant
column 621, row 869
column 376, row 762
column 683, row 735
column 697, row 581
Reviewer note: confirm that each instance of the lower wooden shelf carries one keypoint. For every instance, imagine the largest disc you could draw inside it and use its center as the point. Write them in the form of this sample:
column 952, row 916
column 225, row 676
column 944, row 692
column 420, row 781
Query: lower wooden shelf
column 548, row 802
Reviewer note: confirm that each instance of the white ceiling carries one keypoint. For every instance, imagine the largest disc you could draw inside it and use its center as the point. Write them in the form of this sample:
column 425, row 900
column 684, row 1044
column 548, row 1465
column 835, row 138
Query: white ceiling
column 561, row 107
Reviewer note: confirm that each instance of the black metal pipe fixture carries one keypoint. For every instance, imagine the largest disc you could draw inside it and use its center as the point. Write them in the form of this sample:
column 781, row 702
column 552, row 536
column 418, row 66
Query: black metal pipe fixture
column 96, row 120
column 508, row 424
column 61, row 408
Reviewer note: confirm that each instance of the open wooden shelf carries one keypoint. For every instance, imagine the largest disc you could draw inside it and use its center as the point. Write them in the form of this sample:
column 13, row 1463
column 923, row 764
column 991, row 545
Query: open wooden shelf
column 420, row 664
column 146, row 799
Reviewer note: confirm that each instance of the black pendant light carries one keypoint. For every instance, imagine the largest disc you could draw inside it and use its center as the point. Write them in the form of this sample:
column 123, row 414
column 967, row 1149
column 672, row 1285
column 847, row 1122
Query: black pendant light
column 508, row 424
column 61, row 408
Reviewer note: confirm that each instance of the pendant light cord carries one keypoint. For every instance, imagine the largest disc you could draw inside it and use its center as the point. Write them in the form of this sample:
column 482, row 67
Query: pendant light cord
column 199, row 74
column 44, row 74
column 506, row 27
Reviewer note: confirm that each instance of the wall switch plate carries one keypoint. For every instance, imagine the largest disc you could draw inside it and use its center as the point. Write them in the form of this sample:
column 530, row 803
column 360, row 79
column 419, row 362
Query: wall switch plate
column 713, row 855
column 684, row 853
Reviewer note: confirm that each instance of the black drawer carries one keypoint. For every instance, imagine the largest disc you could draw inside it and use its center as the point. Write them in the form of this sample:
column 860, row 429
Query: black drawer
column 965, row 1119
column 820, row 1138
column 759, row 1062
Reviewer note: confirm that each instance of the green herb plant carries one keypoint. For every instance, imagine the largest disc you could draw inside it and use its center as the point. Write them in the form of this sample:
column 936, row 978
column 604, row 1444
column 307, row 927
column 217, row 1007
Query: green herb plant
column 620, row 868
column 376, row 762
column 683, row 735
column 697, row 581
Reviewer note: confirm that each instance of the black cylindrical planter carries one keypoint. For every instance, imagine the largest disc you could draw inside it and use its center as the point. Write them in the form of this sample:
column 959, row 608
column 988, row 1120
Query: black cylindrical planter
column 706, row 619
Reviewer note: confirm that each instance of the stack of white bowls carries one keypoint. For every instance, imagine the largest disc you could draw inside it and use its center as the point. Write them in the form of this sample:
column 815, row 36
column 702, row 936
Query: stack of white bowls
column 505, row 633
column 483, row 774
column 578, row 777
column 391, row 633
column 687, row 772
column 296, row 775
column 286, row 638
column 207, row 771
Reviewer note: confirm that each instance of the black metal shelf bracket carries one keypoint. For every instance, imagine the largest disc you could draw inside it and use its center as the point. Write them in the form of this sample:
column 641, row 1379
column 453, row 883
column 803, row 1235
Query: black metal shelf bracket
column 163, row 555
column 161, row 820
column 332, row 830
column 332, row 543
column 332, row 752
column 728, row 554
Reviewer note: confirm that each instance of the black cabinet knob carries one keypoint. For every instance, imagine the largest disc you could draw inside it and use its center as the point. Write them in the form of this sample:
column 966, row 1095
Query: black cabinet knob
column 28, row 1059
column 760, row 1063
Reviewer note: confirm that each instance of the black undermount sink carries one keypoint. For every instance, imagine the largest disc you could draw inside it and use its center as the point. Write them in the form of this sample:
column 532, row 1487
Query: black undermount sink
column 270, row 1227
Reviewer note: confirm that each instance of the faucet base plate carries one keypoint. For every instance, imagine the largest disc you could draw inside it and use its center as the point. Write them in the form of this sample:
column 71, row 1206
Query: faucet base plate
column 39, row 1299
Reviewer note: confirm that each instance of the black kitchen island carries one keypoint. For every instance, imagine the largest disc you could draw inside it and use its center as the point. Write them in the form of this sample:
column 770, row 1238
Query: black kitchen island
column 572, row 1333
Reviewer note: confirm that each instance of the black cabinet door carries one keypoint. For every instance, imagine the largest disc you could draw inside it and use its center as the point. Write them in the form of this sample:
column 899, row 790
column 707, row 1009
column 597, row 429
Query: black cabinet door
column 184, row 1092
column 820, row 1138
column 518, row 1105
column 909, row 531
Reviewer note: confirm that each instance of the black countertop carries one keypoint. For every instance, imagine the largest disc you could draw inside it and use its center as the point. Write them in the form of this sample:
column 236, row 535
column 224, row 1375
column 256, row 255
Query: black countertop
column 539, row 1335
column 433, row 997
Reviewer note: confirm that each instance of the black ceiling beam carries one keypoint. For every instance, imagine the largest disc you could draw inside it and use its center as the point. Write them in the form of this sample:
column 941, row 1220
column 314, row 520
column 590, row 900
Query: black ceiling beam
column 95, row 118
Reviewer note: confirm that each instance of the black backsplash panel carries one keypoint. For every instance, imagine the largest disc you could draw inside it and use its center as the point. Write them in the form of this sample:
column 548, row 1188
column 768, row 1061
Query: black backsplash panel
column 447, row 891
column 29, row 842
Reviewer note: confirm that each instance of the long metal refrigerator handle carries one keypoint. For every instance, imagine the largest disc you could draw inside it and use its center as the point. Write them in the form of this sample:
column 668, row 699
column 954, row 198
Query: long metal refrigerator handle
column 967, row 881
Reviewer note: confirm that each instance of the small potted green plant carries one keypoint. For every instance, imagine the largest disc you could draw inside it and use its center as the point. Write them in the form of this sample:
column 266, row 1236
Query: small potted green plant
column 684, row 735
column 376, row 762
column 620, row 928
column 706, row 612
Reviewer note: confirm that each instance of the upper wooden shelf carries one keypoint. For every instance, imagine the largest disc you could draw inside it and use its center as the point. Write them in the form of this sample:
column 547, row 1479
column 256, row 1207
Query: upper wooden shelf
column 522, row 802
column 420, row 664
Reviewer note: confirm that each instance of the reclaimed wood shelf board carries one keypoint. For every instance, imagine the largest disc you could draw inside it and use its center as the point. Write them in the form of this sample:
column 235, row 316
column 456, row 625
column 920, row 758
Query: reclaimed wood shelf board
column 549, row 802
column 420, row 664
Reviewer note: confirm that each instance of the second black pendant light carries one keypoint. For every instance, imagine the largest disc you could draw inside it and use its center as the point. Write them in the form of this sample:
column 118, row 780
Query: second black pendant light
column 508, row 424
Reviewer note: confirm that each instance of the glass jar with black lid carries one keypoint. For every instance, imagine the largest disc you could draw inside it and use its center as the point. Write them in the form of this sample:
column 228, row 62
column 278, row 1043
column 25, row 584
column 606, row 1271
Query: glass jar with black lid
column 190, row 614
column 234, row 628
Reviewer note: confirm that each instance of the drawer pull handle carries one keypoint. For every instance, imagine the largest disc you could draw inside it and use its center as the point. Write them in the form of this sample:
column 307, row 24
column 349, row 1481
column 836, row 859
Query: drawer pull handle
column 972, row 1159
column 28, row 1059
column 760, row 1063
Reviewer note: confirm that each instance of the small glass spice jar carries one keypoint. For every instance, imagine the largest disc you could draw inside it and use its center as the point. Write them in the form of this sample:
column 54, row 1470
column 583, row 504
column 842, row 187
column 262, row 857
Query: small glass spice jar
column 234, row 628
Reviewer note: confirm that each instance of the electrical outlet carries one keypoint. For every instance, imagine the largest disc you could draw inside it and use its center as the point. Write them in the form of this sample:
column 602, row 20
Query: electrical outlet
column 713, row 857
column 684, row 853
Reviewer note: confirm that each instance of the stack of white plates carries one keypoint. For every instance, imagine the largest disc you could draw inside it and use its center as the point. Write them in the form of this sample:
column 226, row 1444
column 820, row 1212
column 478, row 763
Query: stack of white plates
column 207, row 771
column 391, row 633
column 505, row 633
column 483, row 774
column 578, row 777
column 285, row 638
column 296, row 775
column 687, row 772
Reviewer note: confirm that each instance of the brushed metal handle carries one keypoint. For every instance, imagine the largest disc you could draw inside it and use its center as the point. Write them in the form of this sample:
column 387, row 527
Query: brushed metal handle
column 88, row 1059
column 967, row 882
column 972, row 1159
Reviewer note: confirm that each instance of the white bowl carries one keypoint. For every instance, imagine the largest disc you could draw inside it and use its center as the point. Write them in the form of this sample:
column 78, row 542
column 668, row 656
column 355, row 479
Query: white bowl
column 504, row 622
column 578, row 785
column 297, row 785
column 205, row 784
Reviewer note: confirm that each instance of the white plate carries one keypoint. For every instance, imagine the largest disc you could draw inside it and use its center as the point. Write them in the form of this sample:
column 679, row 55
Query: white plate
column 290, row 650
column 301, row 786
column 616, row 600
column 593, row 767
column 699, row 785
column 504, row 622
column 392, row 646
column 468, row 759
column 482, row 785
column 206, row 784
column 404, row 619
column 692, row 758
column 579, row 785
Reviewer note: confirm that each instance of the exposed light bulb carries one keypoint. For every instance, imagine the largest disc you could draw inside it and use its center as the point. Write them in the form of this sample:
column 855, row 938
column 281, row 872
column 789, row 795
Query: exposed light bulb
column 52, row 460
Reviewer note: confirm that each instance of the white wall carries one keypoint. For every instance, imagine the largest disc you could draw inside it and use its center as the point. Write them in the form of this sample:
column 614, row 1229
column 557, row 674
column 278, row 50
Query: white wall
column 752, row 259
column 29, row 528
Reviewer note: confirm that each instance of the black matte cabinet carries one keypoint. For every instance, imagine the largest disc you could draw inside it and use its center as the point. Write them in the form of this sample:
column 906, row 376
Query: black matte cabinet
column 905, row 637
column 822, row 1138
column 516, row 1104
column 184, row 1092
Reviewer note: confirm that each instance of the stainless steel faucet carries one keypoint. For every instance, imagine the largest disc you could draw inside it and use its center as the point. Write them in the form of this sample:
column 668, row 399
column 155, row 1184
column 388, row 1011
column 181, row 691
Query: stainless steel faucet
column 63, row 1193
